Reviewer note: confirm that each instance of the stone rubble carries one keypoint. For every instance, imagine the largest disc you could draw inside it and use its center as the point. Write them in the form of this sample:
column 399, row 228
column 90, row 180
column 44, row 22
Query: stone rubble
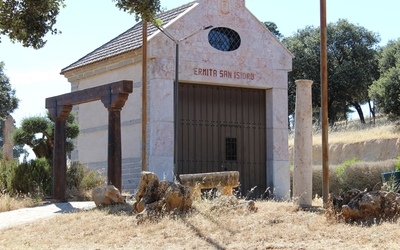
column 366, row 207
column 106, row 196
column 155, row 195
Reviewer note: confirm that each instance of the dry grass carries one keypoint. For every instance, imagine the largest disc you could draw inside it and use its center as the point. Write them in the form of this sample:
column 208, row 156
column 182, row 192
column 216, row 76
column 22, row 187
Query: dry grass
column 8, row 203
column 353, row 131
column 274, row 226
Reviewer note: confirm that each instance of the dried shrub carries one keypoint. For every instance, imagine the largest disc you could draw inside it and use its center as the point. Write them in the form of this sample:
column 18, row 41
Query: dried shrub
column 359, row 175
column 81, row 180
column 317, row 180
column 366, row 175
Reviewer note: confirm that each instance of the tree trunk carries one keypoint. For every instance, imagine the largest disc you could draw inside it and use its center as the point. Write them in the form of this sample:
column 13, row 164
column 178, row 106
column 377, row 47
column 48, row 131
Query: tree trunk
column 360, row 112
column 372, row 110
column 43, row 150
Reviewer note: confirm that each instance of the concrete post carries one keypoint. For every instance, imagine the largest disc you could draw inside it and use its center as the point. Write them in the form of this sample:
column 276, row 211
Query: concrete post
column 8, row 129
column 302, row 153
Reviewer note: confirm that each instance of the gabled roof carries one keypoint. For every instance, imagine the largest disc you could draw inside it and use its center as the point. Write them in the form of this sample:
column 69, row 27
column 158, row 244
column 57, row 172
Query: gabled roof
column 127, row 41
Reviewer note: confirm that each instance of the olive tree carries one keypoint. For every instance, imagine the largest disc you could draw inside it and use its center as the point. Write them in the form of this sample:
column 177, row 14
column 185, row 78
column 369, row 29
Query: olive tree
column 38, row 133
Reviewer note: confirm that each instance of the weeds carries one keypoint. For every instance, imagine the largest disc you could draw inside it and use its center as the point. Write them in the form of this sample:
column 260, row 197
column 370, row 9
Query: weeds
column 341, row 173
column 81, row 180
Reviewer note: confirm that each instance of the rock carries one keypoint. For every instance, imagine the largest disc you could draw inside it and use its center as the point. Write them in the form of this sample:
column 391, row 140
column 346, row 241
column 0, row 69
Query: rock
column 363, row 206
column 156, row 196
column 148, row 191
column 177, row 197
column 108, row 195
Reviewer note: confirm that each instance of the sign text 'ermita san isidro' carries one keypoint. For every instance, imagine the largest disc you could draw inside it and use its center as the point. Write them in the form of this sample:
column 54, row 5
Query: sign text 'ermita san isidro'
column 224, row 73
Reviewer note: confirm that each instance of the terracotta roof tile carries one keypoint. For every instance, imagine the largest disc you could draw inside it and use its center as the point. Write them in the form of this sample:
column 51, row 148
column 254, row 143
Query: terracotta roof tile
column 127, row 41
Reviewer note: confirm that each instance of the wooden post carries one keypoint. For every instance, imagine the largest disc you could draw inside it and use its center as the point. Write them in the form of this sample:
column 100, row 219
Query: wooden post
column 60, row 153
column 59, row 156
column 113, row 96
column 144, row 97
column 114, row 148
column 324, row 100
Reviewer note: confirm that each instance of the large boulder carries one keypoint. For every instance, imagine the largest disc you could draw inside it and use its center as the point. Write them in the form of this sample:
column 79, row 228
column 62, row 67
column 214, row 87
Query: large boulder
column 108, row 195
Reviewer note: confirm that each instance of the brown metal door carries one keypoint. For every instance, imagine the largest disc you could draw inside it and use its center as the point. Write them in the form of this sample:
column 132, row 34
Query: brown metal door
column 223, row 129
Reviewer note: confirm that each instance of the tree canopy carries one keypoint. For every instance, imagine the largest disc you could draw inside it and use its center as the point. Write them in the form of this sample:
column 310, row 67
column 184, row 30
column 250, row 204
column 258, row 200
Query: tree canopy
column 8, row 100
column 352, row 66
column 38, row 133
column 385, row 91
column 28, row 21
column 271, row 26
column 143, row 9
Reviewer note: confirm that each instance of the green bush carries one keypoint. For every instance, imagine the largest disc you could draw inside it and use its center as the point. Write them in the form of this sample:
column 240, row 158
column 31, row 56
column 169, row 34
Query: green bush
column 397, row 164
column 33, row 177
column 341, row 173
column 7, row 170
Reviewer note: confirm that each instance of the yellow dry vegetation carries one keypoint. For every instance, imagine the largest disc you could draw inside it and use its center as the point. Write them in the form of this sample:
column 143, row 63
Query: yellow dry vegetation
column 276, row 225
column 353, row 131
column 8, row 203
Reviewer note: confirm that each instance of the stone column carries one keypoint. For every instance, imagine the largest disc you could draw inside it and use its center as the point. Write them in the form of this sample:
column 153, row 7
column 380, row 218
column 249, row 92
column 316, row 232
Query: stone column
column 302, row 175
column 8, row 129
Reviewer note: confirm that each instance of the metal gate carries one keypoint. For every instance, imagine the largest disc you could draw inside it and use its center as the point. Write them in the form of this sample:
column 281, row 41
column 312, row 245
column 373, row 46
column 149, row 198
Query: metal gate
column 223, row 129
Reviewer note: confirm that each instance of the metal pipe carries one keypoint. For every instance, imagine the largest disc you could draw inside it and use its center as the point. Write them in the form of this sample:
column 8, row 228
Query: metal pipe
column 324, row 101
column 176, row 85
column 144, row 97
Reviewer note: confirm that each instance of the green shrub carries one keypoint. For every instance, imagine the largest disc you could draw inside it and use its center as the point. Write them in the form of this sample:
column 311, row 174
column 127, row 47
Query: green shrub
column 341, row 173
column 7, row 171
column 81, row 179
column 33, row 177
column 397, row 164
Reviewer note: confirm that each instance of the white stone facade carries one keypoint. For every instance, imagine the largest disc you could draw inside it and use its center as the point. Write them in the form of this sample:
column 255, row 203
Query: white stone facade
column 260, row 62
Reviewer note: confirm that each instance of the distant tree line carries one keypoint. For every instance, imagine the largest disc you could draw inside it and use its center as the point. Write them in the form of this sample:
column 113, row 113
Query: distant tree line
column 359, row 71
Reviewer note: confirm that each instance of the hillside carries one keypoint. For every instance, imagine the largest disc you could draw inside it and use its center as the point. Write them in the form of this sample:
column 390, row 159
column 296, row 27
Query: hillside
column 366, row 142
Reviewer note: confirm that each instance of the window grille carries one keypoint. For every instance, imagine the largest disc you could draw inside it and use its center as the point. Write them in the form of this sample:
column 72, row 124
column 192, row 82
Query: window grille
column 230, row 149
column 224, row 39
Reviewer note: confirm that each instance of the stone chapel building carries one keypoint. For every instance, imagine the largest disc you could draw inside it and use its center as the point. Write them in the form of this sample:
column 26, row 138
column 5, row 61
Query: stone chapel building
column 233, row 109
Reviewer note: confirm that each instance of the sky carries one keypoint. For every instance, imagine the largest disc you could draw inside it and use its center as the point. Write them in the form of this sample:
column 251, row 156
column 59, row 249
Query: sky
column 88, row 24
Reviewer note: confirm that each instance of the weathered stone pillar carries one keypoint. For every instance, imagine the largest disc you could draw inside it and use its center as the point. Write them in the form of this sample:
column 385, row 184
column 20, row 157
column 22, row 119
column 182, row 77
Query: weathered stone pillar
column 8, row 129
column 302, row 154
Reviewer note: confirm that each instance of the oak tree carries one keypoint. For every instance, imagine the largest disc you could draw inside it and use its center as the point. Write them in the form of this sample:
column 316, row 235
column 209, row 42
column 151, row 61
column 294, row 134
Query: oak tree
column 385, row 92
column 28, row 21
column 352, row 66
